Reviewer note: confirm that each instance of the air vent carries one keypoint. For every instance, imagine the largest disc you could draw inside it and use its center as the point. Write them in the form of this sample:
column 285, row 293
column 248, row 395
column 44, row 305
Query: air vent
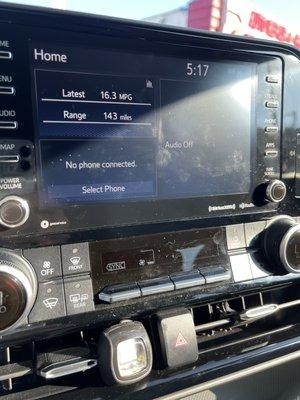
column 224, row 328
column 229, row 321
column 33, row 367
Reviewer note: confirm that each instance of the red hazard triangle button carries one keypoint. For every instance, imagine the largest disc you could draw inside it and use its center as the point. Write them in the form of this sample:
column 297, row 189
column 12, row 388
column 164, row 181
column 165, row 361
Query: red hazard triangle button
column 180, row 341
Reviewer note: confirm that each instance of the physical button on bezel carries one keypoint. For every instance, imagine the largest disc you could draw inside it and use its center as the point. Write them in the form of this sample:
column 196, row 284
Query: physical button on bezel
column 156, row 285
column 119, row 292
column 183, row 280
column 9, row 159
column 235, row 236
column 215, row 274
column 79, row 294
column 75, row 256
column 8, row 125
column 6, row 55
column 50, row 302
column 272, row 104
column 272, row 78
column 22, row 205
column 271, row 129
column 7, row 90
column 44, row 260
column 271, row 153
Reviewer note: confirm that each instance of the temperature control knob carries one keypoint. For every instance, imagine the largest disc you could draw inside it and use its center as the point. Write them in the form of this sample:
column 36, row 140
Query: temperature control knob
column 281, row 245
column 275, row 191
column 18, row 288
column 14, row 211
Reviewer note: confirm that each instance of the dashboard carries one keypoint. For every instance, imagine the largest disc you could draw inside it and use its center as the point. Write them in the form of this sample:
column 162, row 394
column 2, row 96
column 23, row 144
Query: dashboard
column 149, row 205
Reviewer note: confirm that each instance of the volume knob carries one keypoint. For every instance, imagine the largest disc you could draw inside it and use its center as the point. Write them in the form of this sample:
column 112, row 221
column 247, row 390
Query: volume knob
column 18, row 289
column 275, row 191
column 14, row 211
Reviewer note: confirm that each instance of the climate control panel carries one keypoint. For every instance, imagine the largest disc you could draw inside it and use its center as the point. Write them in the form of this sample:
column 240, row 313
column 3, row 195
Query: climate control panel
column 45, row 283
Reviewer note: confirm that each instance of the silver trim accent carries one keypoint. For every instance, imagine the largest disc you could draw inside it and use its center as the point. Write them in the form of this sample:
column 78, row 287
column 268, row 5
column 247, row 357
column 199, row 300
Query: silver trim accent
column 272, row 78
column 64, row 368
column 18, row 267
column 271, row 129
column 283, row 246
column 259, row 312
column 7, row 90
column 271, row 153
column 8, row 125
column 272, row 104
column 269, row 189
column 10, row 159
column 150, row 287
column 6, row 55
column 119, row 296
column 25, row 207
column 231, row 377
column 187, row 280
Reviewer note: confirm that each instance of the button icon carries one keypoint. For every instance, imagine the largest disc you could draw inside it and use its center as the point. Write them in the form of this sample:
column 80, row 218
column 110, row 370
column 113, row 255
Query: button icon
column 51, row 302
column 45, row 224
column 75, row 263
column 180, row 341
column 47, row 269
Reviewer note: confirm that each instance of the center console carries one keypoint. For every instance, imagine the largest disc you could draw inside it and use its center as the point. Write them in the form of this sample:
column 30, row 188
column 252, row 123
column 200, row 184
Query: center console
column 143, row 169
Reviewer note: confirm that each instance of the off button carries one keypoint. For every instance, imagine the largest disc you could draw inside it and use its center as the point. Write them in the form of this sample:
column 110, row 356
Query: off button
column 45, row 261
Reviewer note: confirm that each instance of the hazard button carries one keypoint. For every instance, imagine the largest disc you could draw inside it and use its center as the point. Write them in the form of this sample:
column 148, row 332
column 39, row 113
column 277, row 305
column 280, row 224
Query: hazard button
column 177, row 337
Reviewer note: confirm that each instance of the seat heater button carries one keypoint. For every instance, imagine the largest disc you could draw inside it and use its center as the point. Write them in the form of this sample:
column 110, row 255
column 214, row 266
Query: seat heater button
column 120, row 292
column 157, row 285
column 79, row 294
column 45, row 261
column 215, row 274
column 50, row 302
column 184, row 280
column 75, row 258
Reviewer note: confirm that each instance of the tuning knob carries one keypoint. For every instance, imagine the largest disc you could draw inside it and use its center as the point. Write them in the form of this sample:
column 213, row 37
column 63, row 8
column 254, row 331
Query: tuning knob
column 275, row 191
column 14, row 211
column 18, row 288
column 281, row 245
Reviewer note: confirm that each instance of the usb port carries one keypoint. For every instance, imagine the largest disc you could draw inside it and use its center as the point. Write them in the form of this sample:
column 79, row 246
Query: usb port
column 8, row 125
column 9, row 159
column 7, row 90
column 271, row 153
column 6, row 55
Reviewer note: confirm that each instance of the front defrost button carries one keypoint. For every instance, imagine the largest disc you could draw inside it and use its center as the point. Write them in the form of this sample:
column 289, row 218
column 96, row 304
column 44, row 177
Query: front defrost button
column 75, row 258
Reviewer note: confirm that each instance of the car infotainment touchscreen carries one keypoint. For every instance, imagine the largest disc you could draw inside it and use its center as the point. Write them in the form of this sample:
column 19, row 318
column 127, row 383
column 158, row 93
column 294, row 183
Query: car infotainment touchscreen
column 115, row 126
